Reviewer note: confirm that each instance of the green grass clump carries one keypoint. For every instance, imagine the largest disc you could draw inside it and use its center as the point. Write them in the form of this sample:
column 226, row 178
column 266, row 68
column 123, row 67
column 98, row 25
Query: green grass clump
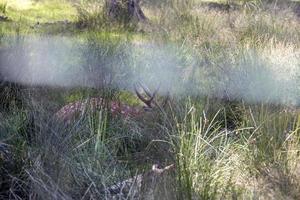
column 216, row 163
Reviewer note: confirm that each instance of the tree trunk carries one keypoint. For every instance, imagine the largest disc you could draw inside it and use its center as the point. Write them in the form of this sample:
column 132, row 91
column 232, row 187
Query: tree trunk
column 125, row 10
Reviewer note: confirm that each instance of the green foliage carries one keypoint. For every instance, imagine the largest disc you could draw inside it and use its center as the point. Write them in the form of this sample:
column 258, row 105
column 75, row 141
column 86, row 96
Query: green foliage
column 3, row 7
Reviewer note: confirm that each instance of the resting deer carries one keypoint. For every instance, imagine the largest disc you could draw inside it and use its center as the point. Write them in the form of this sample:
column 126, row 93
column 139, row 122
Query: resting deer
column 69, row 111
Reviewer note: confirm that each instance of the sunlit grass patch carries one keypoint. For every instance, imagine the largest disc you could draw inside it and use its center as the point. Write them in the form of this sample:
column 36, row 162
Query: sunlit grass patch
column 43, row 11
column 21, row 4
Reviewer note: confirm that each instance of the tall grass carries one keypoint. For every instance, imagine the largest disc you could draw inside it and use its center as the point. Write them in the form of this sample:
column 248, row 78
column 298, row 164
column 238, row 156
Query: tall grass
column 63, row 162
column 238, row 144
column 204, row 155
column 215, row 163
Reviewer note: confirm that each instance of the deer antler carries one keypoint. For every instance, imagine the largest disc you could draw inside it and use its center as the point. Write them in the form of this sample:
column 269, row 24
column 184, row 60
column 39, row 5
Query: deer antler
column 148, row 102
column 147, row 91
column 151, row 101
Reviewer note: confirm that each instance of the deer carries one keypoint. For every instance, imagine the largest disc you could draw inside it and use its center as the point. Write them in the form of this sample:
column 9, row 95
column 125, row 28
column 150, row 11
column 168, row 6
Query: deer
column 115, row 108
